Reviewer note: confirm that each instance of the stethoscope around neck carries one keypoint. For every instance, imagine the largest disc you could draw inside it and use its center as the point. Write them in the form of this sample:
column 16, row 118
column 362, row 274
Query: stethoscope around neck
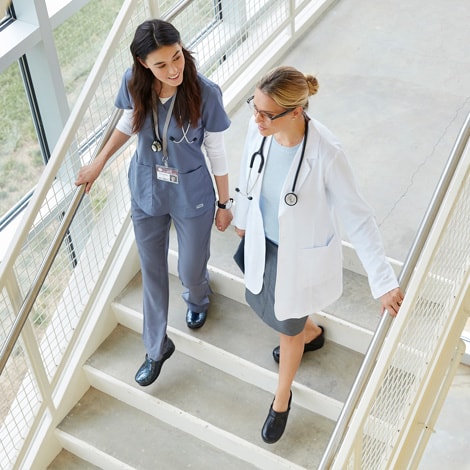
column 160, row 144
column 291, row 197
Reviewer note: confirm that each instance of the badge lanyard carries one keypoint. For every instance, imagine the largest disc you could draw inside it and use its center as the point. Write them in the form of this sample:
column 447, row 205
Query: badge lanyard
column 164, row 173
column 161, row 144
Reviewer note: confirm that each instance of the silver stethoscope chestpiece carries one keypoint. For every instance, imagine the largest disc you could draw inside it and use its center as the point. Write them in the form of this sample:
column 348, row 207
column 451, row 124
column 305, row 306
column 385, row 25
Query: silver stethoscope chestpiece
column 156, row 146
column 290, row 199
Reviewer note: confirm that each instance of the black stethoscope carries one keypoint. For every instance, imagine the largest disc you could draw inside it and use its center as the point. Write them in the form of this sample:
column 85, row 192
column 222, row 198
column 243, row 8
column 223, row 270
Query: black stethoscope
column 291, row 197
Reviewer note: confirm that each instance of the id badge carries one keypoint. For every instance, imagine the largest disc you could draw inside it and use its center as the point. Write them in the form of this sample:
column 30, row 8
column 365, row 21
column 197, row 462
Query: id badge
column 165, row 173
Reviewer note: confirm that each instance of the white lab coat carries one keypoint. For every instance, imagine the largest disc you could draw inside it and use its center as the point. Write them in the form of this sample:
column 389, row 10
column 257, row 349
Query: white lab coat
column 309, row 272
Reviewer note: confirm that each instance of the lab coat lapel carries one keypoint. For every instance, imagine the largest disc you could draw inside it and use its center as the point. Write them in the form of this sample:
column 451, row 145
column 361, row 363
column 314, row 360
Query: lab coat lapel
column 310, row 154
column 304, row 171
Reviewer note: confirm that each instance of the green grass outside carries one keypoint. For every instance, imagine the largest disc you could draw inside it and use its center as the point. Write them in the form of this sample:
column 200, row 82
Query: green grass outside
column 78, row 43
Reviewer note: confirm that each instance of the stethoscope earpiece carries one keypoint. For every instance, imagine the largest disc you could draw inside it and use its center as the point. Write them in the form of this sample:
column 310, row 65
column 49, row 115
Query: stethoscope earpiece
column 185, row 137
column 237, row 190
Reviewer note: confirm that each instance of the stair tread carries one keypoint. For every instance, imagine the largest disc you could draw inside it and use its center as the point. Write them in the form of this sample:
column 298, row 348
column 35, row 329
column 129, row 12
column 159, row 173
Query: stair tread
column 67, row 460
column 356, row 305
column 138, row 439
column 215, row 397
column 234, row 327
column 209, row 394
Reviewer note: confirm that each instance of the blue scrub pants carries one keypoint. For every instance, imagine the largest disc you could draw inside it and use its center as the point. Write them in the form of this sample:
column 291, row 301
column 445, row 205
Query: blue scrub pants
column 152, row 239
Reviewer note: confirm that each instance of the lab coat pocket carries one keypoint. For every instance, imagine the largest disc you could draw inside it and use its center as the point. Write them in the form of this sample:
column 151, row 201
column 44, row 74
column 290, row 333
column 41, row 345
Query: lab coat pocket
column 318, row 264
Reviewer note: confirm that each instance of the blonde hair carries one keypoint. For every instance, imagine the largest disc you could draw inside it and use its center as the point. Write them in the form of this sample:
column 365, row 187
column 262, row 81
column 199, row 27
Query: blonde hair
column 288, row 87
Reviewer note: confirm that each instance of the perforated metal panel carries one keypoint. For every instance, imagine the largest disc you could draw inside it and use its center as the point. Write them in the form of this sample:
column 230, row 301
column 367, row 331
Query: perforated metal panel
column 427, row 325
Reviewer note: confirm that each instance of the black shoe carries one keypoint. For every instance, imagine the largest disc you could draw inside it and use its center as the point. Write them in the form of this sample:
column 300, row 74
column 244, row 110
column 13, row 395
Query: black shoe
column 150, row 369
column 275, row 424
column 315, row 344
column 195, row 319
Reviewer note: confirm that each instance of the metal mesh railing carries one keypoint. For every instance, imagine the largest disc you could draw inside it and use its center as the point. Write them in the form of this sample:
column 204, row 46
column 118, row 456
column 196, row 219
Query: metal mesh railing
column 68, row 284
column 433, row 311
column 225, row 36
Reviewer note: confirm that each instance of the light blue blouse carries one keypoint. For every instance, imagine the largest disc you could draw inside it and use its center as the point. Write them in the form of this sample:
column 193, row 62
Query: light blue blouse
column 278, row 163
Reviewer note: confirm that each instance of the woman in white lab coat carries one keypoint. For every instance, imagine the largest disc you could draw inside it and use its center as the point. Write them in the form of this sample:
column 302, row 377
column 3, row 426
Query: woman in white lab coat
column 295, row 183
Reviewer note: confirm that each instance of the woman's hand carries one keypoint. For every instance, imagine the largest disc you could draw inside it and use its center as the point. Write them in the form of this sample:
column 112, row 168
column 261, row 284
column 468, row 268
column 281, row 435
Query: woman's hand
column 240, row 232
column 88, row 174
column 223, row 218
column 391, row 301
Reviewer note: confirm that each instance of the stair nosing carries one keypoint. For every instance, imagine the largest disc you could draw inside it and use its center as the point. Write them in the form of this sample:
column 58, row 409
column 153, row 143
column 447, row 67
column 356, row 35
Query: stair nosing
column 89, row 452
column 185, row 422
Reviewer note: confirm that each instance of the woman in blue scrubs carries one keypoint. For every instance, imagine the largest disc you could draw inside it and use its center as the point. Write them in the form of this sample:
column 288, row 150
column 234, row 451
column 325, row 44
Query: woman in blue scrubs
column 175, row 111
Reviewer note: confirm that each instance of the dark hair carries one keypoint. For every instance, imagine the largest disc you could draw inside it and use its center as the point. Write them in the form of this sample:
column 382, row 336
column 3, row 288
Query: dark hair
column 150, row 36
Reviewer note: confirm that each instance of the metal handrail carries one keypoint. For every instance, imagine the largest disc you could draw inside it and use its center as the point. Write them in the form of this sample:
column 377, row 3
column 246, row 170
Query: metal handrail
column 46, row 265
column 405, row 275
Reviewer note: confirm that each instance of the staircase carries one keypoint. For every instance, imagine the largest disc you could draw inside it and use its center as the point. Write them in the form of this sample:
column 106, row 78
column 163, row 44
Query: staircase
column 207, row 407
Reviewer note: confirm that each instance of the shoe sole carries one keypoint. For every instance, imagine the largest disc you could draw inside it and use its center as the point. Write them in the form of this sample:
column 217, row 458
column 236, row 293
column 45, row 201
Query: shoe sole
column 196, row 327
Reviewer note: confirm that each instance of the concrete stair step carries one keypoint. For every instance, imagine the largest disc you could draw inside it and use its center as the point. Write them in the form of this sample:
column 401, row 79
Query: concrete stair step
column 70, row 461
column 203, row 405
column 114, row 434
column 213, row 394
column 233, row 327
column 356, row 306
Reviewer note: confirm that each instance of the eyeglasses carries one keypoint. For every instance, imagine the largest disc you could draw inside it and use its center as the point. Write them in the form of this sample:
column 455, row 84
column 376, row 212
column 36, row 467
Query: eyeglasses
column 264, row 115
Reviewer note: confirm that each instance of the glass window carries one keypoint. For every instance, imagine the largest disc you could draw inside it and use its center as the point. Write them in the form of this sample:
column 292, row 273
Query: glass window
column 4, row 13
column 21, row 162
column 79, row 41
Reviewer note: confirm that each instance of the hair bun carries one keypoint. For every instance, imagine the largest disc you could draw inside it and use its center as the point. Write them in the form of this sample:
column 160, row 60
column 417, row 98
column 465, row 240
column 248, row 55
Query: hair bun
column 313, row 84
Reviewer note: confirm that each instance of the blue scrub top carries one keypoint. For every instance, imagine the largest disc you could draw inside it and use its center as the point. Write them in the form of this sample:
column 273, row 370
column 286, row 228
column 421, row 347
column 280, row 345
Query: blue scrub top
column 194, row 194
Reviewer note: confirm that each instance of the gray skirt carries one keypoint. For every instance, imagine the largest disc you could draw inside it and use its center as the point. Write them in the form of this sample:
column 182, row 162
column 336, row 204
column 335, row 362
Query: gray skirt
column 263, row 303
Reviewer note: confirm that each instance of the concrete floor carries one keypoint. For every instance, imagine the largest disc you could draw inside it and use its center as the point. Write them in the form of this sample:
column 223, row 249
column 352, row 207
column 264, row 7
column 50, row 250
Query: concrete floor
column 394, row 88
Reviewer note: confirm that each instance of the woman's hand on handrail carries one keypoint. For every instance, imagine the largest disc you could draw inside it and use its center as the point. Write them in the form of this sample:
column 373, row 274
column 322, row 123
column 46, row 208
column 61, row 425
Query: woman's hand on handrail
column 89, row 173
column 391, row 301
